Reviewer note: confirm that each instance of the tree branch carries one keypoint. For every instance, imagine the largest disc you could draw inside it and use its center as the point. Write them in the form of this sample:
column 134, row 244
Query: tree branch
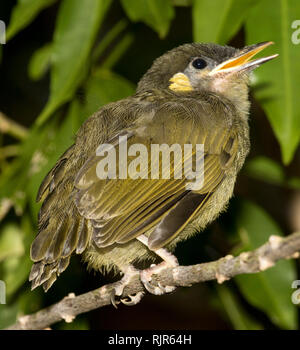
column 9, row 126
column 223, row 269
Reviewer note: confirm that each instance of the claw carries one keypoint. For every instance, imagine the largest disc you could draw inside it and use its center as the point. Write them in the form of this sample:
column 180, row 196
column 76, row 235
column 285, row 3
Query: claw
column 167, row 289
column 146, row 278
column 113, row 298
column 133, row 299
column 151, row 288
column 119, row 286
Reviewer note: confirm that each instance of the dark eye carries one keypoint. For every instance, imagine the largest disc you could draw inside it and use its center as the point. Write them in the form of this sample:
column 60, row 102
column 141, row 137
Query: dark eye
column 199, row 63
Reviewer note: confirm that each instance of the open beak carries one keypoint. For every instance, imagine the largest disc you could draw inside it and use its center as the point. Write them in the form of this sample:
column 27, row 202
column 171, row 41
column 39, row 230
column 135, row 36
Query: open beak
column 242, row 61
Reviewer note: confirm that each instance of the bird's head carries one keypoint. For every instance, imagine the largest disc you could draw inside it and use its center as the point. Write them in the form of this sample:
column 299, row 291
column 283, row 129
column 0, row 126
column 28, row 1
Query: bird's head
column 194, row 68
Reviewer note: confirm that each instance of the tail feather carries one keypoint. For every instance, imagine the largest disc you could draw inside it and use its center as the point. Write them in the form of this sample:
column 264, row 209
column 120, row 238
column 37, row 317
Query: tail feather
column 62, row 231
column 52, row 253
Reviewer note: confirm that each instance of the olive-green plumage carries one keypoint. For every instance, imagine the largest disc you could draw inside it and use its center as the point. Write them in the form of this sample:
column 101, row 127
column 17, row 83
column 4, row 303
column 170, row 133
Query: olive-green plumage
column 83, row 214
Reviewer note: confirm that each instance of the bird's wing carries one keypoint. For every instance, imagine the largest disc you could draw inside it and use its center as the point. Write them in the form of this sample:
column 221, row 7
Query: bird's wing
column 61, row 230
column 122, row 209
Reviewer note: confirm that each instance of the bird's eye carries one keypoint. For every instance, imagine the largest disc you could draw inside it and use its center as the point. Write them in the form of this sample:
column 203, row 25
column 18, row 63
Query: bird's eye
column 199, row 63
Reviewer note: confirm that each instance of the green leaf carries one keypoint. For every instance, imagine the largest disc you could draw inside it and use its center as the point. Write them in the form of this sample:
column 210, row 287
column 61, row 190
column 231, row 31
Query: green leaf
column 269, row 290
column 105, row 87
column 157, row 14
column 15, row 261
column 23, row 13
column 265, row 169
column 16, row 269
column 118, row 51
column 76, row 28
column 109, row 37
column 8, row 315
column 219, row 20
column 40, row 62
column 27, row 302
column 10, row 242
column 30, row 301
column 279, row 79
column 294, row 182
column 234, row 311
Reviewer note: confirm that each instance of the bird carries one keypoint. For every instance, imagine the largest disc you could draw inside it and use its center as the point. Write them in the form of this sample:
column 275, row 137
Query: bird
column 195, row 94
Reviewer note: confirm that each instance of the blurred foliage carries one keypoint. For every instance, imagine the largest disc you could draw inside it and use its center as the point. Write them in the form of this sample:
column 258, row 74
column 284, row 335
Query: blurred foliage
column 279, row 91
column 84, row 54
column 270, row 289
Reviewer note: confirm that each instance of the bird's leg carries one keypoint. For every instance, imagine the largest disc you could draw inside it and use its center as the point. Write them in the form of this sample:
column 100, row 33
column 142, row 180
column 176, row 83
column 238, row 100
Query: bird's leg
column 130, row 272
column 169, row 260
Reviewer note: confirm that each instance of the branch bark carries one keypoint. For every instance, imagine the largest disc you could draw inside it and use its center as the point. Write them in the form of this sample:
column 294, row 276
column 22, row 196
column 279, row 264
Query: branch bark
column 221, row 270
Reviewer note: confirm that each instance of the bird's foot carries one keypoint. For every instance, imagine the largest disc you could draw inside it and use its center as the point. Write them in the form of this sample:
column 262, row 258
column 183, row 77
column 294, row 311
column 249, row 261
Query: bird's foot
column 146, row 278
column 169, row 260
column 129, row 274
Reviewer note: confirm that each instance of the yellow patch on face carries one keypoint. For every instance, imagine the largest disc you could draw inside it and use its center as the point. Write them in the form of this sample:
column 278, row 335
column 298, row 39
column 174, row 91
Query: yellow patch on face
column 180, row 82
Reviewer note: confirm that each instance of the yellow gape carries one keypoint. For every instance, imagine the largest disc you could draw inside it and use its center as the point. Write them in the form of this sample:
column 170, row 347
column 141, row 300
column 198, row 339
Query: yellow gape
column 180, row 82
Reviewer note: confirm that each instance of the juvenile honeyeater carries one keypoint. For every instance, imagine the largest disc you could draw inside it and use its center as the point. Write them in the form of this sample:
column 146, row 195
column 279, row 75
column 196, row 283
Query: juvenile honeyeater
column 195, row 94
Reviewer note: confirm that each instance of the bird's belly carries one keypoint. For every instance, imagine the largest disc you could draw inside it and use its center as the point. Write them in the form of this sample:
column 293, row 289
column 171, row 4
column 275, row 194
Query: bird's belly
column 117, row 256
